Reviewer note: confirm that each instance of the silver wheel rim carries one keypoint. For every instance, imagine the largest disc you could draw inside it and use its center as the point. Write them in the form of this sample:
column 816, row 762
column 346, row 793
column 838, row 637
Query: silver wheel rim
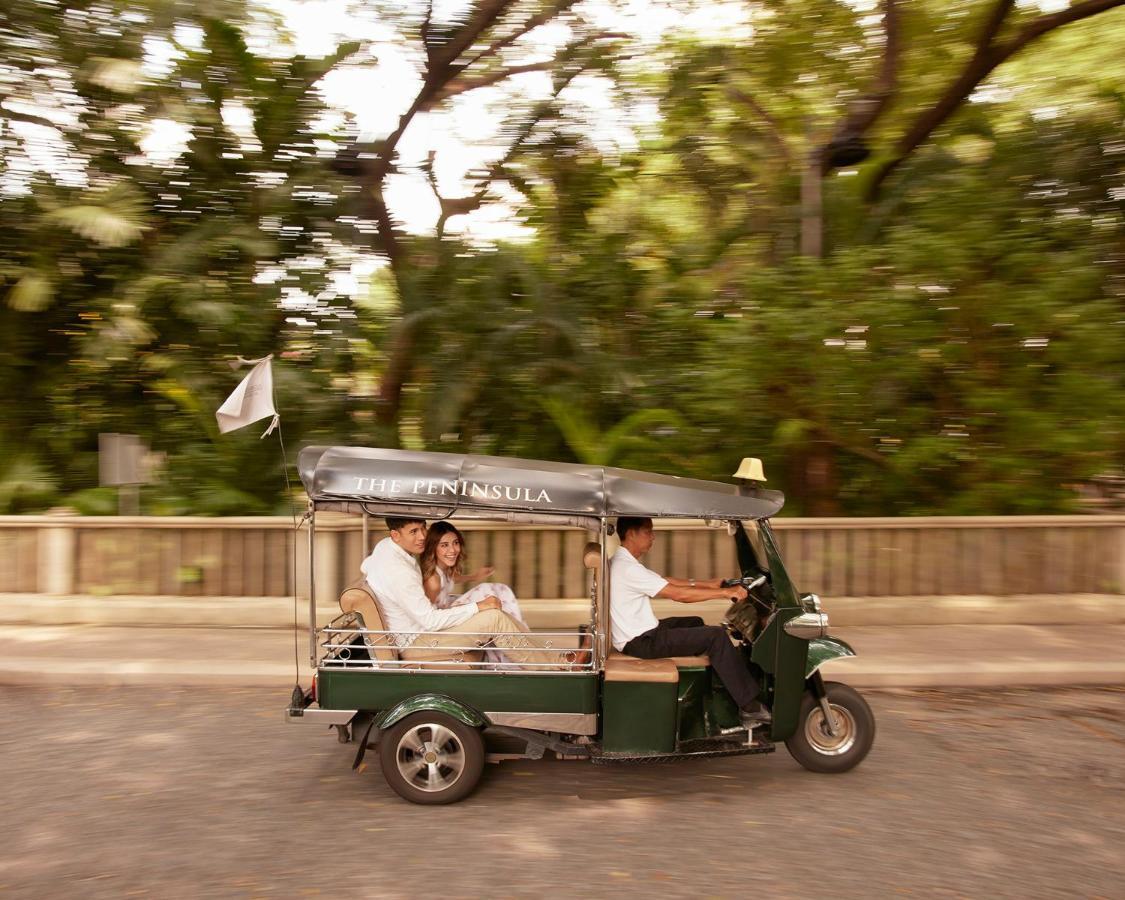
column 819, row 738
column 430, row 758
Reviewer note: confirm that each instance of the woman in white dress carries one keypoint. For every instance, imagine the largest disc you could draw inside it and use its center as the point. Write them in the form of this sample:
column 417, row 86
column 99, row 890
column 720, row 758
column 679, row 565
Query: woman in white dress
column 443, row 561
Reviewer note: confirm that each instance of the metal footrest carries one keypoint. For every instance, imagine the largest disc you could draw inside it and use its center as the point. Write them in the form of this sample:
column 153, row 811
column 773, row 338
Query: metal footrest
column 688, row 750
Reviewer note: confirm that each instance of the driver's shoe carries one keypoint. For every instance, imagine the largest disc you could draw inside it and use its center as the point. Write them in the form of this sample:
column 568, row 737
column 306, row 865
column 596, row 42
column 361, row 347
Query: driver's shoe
column 754, row 716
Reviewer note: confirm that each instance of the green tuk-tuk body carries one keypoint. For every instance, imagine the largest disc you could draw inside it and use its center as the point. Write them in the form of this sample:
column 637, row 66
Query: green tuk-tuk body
column 434, row 723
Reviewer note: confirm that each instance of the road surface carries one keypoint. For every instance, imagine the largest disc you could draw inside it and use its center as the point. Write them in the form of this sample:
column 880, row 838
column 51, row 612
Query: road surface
column 208, row 792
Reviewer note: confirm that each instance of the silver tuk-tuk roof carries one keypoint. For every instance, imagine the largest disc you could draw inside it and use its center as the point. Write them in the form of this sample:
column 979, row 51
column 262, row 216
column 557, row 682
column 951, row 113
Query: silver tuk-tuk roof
column 437, row 485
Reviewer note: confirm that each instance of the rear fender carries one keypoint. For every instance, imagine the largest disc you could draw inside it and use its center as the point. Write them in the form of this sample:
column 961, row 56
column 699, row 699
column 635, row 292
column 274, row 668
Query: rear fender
column 821, row 650
column 429, row 703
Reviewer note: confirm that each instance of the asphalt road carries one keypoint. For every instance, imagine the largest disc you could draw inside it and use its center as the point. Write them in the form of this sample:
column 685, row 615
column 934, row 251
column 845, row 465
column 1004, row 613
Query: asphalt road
column 204, row 792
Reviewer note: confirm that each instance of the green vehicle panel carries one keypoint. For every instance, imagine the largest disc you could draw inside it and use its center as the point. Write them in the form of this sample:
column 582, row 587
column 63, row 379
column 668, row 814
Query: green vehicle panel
column 703, row 706
column 783, row 657
column 430, row 703
column 638, row 717
column 780, row 655
column 487, row 692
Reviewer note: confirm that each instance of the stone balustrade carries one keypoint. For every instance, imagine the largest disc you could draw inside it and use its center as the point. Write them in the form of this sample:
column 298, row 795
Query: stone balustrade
column 61, row 554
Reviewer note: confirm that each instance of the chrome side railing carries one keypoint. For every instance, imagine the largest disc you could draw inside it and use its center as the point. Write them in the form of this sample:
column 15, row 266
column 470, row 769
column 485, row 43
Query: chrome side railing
column 472, row 652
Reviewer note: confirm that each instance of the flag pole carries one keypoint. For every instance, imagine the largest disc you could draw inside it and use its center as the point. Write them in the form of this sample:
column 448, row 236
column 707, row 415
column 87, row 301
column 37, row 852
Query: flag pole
column 298, row 694
column 252, row 400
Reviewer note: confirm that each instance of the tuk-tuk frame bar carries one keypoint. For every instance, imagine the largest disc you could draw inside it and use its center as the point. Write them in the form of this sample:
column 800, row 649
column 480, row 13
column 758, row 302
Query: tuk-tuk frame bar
column 393, row 639
column 600, row 649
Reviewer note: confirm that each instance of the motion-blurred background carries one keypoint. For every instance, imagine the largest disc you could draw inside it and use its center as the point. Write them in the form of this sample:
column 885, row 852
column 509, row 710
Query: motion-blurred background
column 879, row 245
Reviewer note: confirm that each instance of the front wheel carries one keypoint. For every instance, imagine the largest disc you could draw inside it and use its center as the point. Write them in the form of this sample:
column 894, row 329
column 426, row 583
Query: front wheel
column 816, row 748
column 432, row 758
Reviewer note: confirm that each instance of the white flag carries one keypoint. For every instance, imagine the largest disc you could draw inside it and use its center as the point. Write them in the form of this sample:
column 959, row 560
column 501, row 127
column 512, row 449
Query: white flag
column 251, row 400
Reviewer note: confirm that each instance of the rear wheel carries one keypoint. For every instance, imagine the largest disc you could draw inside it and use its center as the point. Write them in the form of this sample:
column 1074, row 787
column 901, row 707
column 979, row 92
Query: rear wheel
column 431, row 758
column 814, row 745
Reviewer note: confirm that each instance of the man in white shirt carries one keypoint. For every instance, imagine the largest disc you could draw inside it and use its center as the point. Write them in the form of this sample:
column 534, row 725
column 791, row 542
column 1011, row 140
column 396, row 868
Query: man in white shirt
column 392, row 572
column 637, row 632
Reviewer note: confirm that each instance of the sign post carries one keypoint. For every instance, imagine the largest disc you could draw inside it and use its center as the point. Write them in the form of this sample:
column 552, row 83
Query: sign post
column 124, row 463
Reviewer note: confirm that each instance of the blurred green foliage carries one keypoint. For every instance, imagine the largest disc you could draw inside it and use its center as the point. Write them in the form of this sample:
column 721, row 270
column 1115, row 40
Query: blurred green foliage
column 958, row 348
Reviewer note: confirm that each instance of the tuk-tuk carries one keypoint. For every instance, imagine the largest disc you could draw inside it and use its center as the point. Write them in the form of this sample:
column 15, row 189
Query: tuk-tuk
column 435, row 721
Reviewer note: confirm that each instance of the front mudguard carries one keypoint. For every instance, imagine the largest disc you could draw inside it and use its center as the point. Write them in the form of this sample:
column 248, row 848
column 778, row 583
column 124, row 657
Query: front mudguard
column 822, row 650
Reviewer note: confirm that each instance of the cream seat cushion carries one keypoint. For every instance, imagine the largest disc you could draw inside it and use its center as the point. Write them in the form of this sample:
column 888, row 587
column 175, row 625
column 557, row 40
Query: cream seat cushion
column 620, row 667
column 359, row 598
column 682, row 662
column 690, row 662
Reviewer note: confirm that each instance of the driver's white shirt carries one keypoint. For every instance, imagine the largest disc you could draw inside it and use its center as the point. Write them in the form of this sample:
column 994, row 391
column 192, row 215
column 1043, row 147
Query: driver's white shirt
column 396, row 579
column 631, row 589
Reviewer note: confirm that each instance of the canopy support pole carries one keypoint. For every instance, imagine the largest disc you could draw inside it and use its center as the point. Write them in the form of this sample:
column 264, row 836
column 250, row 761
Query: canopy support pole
column 312, row 588
column 602, row 624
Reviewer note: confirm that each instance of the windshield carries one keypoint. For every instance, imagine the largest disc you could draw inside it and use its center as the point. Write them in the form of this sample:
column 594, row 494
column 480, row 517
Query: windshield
column 757, row 545
column 783, row 588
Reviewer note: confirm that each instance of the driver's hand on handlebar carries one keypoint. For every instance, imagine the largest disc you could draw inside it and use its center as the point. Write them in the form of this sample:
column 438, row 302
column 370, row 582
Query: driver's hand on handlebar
column 739, row 593
column 492, row 602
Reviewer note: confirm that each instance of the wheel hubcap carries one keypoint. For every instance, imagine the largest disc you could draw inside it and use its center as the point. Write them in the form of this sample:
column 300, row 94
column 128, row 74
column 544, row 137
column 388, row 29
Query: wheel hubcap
column 430, row 757
column 822, row 740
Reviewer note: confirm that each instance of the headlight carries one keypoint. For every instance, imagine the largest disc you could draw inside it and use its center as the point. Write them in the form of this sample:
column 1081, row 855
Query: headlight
column 807, row 625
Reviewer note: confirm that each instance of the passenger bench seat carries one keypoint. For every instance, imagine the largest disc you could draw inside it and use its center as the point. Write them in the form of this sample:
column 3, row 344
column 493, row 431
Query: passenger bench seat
column 360, row 599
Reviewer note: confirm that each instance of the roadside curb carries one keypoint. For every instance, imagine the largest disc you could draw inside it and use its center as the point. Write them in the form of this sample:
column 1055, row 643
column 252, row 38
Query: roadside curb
column 954, row 657
column 39, row 673
column 992, row 676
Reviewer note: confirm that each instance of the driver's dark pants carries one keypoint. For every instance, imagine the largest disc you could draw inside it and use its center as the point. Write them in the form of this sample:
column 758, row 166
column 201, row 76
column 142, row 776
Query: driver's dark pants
column 688, row 636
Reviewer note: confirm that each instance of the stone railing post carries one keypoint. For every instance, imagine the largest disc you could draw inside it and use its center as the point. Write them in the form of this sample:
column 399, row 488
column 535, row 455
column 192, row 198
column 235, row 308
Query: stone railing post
column 301, row 549
column 56, row 557
column 326, row 558
column 326, row 553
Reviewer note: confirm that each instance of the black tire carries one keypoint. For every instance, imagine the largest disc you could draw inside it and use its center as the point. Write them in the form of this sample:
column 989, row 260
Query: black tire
column 818, row 751
column 457, row 752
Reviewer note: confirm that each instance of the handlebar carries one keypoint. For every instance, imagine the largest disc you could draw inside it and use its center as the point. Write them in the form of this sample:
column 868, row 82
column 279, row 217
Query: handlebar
column 747, row 583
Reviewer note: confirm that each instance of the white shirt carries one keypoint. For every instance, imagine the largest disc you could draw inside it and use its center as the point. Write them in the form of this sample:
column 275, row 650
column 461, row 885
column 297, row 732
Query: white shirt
column 631, row 589
column 396, row 579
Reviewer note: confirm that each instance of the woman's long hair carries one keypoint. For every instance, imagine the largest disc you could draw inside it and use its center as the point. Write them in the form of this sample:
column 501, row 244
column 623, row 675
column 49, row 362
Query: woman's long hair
column 428, row 559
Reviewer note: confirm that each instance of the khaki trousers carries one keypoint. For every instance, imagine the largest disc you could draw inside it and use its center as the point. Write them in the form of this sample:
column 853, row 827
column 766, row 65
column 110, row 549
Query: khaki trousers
column 494, row 628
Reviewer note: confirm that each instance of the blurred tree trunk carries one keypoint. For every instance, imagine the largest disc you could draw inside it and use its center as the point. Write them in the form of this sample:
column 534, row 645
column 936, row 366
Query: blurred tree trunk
column 847, row 143
column 812, row 207
column 459, row 58
column 812, row 479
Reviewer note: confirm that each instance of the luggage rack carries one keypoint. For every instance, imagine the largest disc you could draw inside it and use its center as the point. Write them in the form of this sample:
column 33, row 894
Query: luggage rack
column 346, row 644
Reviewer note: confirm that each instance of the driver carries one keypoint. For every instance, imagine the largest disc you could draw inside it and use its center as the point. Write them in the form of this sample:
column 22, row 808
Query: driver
column 637, row 631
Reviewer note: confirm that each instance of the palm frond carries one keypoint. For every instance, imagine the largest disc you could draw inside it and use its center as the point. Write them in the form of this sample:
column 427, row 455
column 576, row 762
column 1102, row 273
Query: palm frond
column 34, row 292
column 113, row 218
